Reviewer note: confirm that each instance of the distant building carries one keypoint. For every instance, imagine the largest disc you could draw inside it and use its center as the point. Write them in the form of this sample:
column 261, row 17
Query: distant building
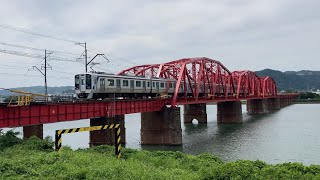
column 315, row 91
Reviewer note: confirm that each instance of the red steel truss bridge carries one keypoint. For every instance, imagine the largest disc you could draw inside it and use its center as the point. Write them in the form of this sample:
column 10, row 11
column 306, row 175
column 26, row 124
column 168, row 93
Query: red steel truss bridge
column 208, row 81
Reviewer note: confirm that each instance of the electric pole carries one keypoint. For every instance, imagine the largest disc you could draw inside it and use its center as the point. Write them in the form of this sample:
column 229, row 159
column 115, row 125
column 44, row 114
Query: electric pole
column 46, row 55
column 45, row 74
column 86, row 56
column 85, row 53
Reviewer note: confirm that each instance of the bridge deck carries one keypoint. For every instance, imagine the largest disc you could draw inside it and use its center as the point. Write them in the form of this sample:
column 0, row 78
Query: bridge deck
column 51, row 112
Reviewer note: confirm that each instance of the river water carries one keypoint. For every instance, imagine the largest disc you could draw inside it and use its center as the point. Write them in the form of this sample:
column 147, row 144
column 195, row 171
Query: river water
column 290, row 134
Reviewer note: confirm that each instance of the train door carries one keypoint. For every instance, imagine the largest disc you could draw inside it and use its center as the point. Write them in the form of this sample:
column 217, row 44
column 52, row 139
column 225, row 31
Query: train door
column 77, row 82
column 153, row 89
column 118, row 86
column 144, row 86
column 149, row 86
column 157, row 87
column 82, row 83
column 131, row 85
column 102, row 85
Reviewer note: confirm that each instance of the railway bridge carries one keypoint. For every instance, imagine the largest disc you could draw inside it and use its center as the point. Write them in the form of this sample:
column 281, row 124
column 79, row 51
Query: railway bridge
column 160, row 117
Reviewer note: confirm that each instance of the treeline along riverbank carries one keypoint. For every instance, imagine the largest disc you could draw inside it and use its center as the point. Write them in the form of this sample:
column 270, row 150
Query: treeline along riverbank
column 36, row 159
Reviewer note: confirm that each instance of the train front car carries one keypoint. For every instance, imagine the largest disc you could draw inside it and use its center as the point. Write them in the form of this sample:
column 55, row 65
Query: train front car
column 83, row 86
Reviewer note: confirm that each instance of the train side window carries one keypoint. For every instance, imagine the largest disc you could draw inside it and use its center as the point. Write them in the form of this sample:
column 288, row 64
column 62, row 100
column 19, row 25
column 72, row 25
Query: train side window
column 143, row 84
column 153, row 84
column 162, row 85
column 110, row 82
column 125, row 83
column 138, row 83
column 170, row 85
column 157, row 85
column 148, row 84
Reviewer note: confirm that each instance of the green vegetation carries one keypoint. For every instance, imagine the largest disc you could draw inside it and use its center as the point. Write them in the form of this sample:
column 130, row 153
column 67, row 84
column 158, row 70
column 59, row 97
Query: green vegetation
column 308, row 98
column 309, row 95
column 293, row 80
column 8, row 139
column 36, row 159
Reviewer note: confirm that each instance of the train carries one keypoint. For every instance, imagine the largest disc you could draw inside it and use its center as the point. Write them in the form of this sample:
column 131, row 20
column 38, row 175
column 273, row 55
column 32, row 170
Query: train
column 98, row 85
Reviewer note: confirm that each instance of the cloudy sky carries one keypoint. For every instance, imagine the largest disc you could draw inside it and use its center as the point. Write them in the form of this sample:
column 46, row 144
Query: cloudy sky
column 242, row 34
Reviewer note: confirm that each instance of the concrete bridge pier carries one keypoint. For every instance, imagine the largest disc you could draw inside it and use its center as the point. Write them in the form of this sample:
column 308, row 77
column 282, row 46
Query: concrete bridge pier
column 33, row 130
column 284, row 102
column 229, row 112
column 290, row 101
column 195, row 111
column 257, row 106
column 161, row 127
column 103, row 137
column 273, row 104
column 281, row 102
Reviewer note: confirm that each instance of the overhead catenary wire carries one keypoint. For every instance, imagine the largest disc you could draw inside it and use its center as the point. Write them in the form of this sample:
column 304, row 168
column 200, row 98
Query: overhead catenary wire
column 55, row 58
column 36, row 49
column 125, row 60
column 15, row 74
column 41, row 34
column 37, row 56
column 36, row 33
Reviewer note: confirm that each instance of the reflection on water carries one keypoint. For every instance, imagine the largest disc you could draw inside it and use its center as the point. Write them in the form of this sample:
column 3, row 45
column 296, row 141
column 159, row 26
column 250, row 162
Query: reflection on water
column 291, row 134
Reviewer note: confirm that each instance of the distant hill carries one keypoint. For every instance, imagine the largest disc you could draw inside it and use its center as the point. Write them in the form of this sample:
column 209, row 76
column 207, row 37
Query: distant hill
column 293, row 80
column 40, row 90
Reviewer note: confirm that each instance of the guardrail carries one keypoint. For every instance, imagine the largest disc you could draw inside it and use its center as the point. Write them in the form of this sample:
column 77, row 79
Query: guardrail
column 58, row 135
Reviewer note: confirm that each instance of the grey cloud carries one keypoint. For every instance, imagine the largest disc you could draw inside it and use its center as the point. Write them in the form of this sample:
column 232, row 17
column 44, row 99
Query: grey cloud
column 244, row 34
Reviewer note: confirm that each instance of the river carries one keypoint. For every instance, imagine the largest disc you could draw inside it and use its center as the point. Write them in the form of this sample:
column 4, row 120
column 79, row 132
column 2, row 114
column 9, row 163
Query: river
column 290, row 134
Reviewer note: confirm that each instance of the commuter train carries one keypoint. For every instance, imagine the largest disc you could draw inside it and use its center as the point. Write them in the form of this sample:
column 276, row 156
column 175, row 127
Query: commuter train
column 102, row 86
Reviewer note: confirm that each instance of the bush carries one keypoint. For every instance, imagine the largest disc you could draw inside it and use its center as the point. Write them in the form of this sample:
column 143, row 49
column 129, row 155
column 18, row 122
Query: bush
column 8, row 139
column 34, row 143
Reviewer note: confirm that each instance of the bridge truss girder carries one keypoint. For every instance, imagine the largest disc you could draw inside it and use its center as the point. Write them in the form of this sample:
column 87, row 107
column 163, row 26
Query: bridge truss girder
column 207, row 78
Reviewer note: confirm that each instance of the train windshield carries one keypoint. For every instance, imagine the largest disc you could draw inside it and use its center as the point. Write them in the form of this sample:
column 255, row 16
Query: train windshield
column 77, row 82
column 88, row 81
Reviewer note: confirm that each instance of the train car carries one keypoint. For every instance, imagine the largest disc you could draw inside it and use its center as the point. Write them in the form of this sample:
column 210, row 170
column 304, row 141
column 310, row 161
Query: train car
column 102, row 85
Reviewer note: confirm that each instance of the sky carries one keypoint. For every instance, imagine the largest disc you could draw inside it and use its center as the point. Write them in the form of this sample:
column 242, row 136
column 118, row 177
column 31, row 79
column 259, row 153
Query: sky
column 241, row 34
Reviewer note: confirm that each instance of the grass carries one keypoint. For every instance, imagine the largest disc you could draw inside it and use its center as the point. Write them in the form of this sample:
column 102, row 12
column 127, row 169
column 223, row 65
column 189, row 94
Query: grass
column 36, row 159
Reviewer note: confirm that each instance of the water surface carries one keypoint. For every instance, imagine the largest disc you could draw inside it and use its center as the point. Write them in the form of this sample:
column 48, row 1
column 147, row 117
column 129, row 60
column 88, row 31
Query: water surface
column 290, row 134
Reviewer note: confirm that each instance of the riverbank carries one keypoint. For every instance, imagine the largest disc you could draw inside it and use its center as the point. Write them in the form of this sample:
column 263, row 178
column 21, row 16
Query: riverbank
column 307, row 101
column 35, row 159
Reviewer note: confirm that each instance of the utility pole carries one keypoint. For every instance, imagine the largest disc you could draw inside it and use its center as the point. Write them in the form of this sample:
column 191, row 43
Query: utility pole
column 45, row 74
column 46, row 55
column 85, row 54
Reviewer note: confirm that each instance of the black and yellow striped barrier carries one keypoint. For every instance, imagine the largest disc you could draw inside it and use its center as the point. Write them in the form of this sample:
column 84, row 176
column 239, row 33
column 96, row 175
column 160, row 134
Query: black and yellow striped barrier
column 58, row 136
